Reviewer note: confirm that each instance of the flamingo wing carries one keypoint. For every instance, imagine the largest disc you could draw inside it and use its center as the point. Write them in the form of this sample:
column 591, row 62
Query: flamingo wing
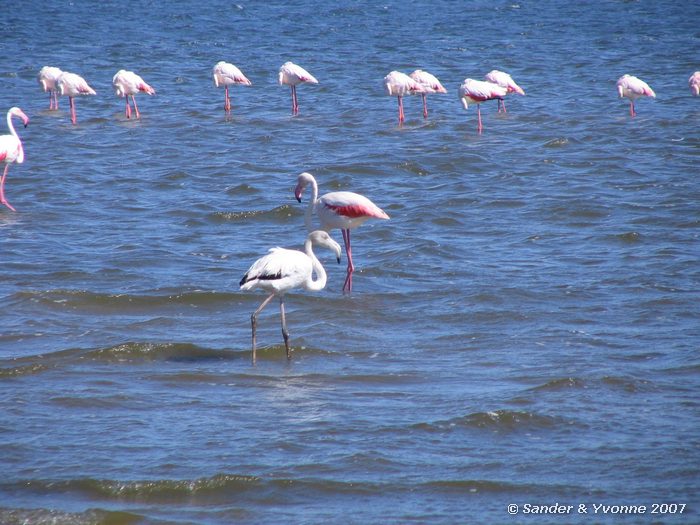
column 281, row 269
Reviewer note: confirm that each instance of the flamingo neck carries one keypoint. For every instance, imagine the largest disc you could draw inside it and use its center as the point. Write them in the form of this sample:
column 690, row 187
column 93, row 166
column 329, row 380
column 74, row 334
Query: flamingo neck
column 320, row 282
column 311, row 206
column 20, row 157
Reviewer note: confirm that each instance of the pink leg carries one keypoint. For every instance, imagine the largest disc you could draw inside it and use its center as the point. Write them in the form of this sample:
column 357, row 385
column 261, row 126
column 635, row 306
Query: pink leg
column 227, row 101
column 347, row 286
column 72, row 110
column 632, row 111
column 2, row 189
column 295, row 103
column 425, row 106
column 127, row 110
column 55, row 97
column 136, row 108
column 478, row 112
column 401, row 116
column 50, row 100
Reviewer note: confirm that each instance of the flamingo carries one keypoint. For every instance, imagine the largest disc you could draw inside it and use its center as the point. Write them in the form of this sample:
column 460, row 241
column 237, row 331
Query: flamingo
column 73, row 85
column 398, row 85
column 11, row 149
column 633, row 88
column 694, row 83
column 226, row 74
column 281, row 270
column 127, row 84
column 47, row 78
column 504, row 80
column 478, row 91
column 430, row 84
column 344, row 210
column 291, row 75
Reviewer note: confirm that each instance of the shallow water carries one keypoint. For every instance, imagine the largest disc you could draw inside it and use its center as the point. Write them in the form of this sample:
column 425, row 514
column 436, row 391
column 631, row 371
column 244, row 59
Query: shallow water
column 523, row 330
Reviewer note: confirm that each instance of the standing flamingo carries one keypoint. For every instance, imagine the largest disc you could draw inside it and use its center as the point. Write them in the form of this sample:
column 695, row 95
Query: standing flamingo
column 478, row 91
column 291, row 75
column 504, row 80
column 11, row 149
column 430, row 84
column 344, row 210
column 73, row 85
column 226, row 74
column 398, row 85
column 47, row 78
column 281, row 270
column 694, row 83
column 127, row 84
column 633, row 88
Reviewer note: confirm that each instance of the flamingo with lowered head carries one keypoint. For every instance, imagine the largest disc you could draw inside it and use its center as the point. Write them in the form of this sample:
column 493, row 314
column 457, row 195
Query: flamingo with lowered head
column 430, row 84
column 397, row 84
column 47, row 78
column 73, row 86
column 226, row 74
column 292, row 75
column 343, row 210
column 504, row 80
column 694, row 83
column 11, row 149
column 282, row 270
column 478, row 91
column 127, row 84
column 632, row 88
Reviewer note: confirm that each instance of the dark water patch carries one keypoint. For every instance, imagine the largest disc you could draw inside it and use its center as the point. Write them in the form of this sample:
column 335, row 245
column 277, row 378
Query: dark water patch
column 138, row 352
column 560, row 384
column 500, row 421
column 627, row 384
column 9, row 516
column 278, row 214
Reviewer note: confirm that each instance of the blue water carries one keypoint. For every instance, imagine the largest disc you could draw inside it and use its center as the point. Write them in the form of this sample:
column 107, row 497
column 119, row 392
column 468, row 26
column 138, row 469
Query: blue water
column 524, row 330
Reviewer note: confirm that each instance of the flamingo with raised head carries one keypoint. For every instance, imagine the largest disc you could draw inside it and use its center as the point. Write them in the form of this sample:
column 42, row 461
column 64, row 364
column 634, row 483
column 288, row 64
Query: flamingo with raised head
column 633, row 88
column 127, row 84
column 73, row 86
column 292, row 75
column 282, row 270
column 343, row 210
column 478, row 91
column 694, row 83
column 11, row 149
column 397, row 84
column 47, row 78
column 226, row 74
column 504, row 80
column 430, row 84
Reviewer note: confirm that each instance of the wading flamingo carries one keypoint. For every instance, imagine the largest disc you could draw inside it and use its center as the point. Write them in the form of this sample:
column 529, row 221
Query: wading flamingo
column 633, row 88
column 11, row 149
column 291, row 75
column 47, row 78
column 226, row 75
column 430, row 84
column 281, row 270
column 399, row 85
column 73, row 86
column 694, row 83
column 478, row 91
column 504, row 80
column 343, row 210
column 127, row 84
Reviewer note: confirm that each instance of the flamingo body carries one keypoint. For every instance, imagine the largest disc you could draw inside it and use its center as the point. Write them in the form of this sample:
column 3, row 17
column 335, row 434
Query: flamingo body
column 694, row 83
column 478, row 91
column 282, row 270
column 292, row 75
column 72, row 85
column 504, row 80
column 11, row 149
column 633, row 88
column 430, row 84
column 127, row 84
column 47, row 78
column 343, row 210
column 226, row 74
column 397, row 84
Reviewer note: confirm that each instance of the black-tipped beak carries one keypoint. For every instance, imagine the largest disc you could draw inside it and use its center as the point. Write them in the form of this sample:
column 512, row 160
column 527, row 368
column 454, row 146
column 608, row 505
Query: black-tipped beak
column 298, row 199
column 338, row 259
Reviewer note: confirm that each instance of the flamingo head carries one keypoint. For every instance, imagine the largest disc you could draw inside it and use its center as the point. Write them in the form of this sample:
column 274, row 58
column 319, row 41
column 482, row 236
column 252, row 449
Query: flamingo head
column 303, row 180
column 19, row 113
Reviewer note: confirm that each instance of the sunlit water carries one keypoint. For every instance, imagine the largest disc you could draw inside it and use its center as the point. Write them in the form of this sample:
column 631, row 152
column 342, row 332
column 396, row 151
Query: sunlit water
column 523, row 330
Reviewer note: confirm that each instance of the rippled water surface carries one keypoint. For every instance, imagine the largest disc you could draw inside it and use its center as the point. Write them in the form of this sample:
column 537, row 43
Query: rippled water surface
column 524, row 330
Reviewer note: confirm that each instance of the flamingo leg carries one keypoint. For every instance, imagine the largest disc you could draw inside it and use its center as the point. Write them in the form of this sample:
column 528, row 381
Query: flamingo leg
column 3, row 200
column 347, row 286
column 478, row 112
column 72, row 110
column 295, row 103
column 401, row 115
column 136, row 108
column 55, row 97
column 425, row 106
column 285, row 332
column 254, row 320
column 632, row 111
column 127, row 111
column 227, row 101
column 50, row 100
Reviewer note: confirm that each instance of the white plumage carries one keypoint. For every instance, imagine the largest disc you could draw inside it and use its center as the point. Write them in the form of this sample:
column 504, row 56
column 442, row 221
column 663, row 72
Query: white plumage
column 127, row 84
column 226, row 74
column 72, row 85
column 292, row 75
column 47, row 78
column 11, row 149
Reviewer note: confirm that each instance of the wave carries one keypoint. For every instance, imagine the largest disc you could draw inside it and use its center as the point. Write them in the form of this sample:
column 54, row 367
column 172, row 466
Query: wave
column 10, row 516
column 496, row 421
column 280, row 213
